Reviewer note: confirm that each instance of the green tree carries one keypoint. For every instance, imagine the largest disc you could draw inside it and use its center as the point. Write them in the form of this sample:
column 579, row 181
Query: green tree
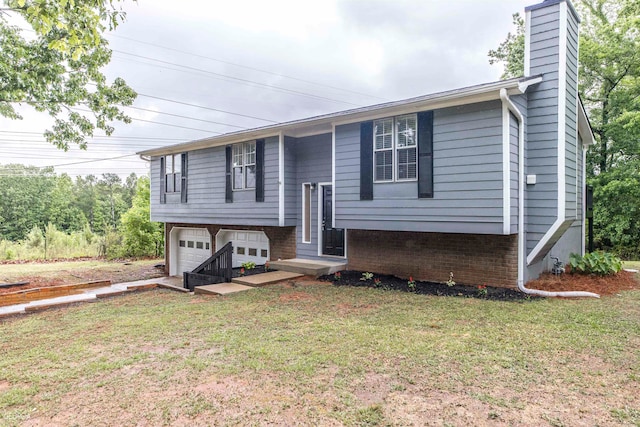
column 142, row 237
column 24, row 199
column 64, row 211
column 610, row 78
column 511, row 51
column 60, row 69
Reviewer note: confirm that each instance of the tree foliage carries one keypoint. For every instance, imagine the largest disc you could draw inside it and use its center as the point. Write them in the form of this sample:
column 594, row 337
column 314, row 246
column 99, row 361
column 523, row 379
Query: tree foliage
column 60, row 69
column 31, row 196
column 511, row 51
column 141, row 236
column 609, row 85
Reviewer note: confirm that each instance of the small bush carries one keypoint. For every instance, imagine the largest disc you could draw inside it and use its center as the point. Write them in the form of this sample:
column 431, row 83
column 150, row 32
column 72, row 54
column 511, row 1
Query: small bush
column 600, row 263
column 249, row 265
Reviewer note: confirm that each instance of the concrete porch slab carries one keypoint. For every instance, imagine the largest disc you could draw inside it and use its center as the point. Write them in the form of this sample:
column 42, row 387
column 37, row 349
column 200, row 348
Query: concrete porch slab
column 309, row 267
column 263, row 279
column 221, row 289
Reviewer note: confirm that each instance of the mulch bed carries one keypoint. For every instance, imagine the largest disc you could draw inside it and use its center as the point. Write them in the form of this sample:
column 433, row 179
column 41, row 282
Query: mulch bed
column 567, row 282
column 353, row 278
column 603, row 285
column 258, row 269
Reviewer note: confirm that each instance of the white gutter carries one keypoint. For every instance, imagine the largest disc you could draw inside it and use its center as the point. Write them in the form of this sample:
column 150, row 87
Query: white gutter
column 521, row 236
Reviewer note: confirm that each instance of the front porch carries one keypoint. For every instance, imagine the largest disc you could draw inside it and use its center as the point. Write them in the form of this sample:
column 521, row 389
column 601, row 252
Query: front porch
column 308, row 267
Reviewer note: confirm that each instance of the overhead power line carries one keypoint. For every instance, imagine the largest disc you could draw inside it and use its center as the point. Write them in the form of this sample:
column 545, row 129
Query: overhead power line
column 248, row 67
column 98, row 136
column 204, row 108
column 185, row 117
column 239, row 80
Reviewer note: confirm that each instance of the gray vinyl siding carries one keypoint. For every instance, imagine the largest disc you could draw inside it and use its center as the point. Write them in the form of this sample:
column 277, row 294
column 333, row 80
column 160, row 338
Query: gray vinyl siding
column 290, row 183
column 206, row 192
column 468, row 181
column 571, row 131
column 581, row 183
column 313, row 154
column 542, row 125
column 513, row 172
column 521, row 102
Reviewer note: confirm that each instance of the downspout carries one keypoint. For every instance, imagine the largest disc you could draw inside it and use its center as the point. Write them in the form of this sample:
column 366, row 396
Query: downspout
column 521, row 236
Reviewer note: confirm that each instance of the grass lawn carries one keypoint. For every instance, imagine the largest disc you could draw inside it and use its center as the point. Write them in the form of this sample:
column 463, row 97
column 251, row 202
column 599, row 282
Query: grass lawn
column 322, row 355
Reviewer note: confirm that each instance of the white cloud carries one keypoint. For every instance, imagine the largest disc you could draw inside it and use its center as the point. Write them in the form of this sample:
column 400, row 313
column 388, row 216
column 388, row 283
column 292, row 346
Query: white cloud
column 387, row 49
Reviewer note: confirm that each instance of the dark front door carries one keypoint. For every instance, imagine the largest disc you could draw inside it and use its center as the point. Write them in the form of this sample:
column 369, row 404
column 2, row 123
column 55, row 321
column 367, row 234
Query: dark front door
column 332, row 238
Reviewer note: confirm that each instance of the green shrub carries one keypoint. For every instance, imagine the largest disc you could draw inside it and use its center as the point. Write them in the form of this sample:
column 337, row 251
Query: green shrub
column 249, row 265
column 600, row 263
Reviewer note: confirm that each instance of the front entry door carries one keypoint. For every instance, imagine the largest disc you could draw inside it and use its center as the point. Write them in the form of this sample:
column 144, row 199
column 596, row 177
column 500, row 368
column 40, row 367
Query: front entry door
column 332, row 238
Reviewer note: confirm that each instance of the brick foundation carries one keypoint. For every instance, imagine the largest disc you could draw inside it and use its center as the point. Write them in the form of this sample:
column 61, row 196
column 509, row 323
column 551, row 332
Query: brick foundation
column 473, row 258
column 282, row 240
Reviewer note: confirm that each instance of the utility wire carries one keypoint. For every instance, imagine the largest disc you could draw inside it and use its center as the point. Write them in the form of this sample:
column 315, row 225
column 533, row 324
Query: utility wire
column 238, row 79
column 156, row 123
column 103, row 136
column 204, row 108
column 248, row 67
column 185, row 117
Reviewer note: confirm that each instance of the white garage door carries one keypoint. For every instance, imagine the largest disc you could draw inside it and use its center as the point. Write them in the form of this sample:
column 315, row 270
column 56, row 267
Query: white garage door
column 194, row 247
column 250, row 246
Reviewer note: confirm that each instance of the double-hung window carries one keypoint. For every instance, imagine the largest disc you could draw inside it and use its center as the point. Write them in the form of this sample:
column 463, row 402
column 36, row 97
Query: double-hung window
column 395, row 150
column 244, row 166
column 172, row 173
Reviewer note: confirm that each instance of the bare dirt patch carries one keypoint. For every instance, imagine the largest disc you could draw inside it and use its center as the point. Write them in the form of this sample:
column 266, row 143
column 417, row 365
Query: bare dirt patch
column 72, row 272
column 296, row 296
column 603, row 285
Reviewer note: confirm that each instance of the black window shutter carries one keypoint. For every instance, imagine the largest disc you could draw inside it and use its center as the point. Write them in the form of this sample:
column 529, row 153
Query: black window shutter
column 163, row 194
column 425, row 155
column 228, row 190
column 260, row 170
column 183, row 179
column 366, row 161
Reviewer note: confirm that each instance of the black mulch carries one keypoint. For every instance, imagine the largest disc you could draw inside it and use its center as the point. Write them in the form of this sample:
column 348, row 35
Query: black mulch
column 258, row 269
column 382, row 281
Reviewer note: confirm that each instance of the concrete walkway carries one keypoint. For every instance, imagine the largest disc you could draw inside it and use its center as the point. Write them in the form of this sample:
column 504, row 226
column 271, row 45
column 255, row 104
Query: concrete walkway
column 88, row 295
column 173, row 283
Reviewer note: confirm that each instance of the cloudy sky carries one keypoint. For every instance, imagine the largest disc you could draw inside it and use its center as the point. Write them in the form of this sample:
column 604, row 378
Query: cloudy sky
column 205, row 67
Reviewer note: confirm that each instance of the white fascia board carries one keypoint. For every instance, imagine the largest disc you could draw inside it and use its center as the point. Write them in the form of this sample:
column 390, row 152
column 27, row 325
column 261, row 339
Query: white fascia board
column 584, row 127
column 524, row 84
column 462, row 96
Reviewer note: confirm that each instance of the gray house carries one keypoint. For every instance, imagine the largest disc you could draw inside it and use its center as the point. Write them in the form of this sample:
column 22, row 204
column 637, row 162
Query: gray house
column 485, row 181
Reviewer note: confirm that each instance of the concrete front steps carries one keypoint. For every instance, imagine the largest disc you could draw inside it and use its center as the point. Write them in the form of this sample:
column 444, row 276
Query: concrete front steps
column 246, row 283
column 308, row 267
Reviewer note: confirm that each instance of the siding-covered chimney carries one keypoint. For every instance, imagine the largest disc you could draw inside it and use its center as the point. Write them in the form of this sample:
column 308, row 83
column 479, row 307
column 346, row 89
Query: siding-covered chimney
column 551, row 51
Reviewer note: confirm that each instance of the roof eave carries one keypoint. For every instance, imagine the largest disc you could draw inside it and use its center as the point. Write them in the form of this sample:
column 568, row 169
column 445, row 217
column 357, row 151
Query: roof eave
column 584, row 126
column 468, row 95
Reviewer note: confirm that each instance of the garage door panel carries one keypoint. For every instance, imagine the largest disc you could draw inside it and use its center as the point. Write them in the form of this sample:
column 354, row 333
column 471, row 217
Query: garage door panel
column 194, row 247
column 248, row 246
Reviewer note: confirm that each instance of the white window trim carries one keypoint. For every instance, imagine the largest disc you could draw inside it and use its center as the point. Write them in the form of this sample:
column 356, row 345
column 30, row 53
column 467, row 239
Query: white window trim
column 174, row 158
column 306, row 228
column 243, row 167
column 394, row 150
